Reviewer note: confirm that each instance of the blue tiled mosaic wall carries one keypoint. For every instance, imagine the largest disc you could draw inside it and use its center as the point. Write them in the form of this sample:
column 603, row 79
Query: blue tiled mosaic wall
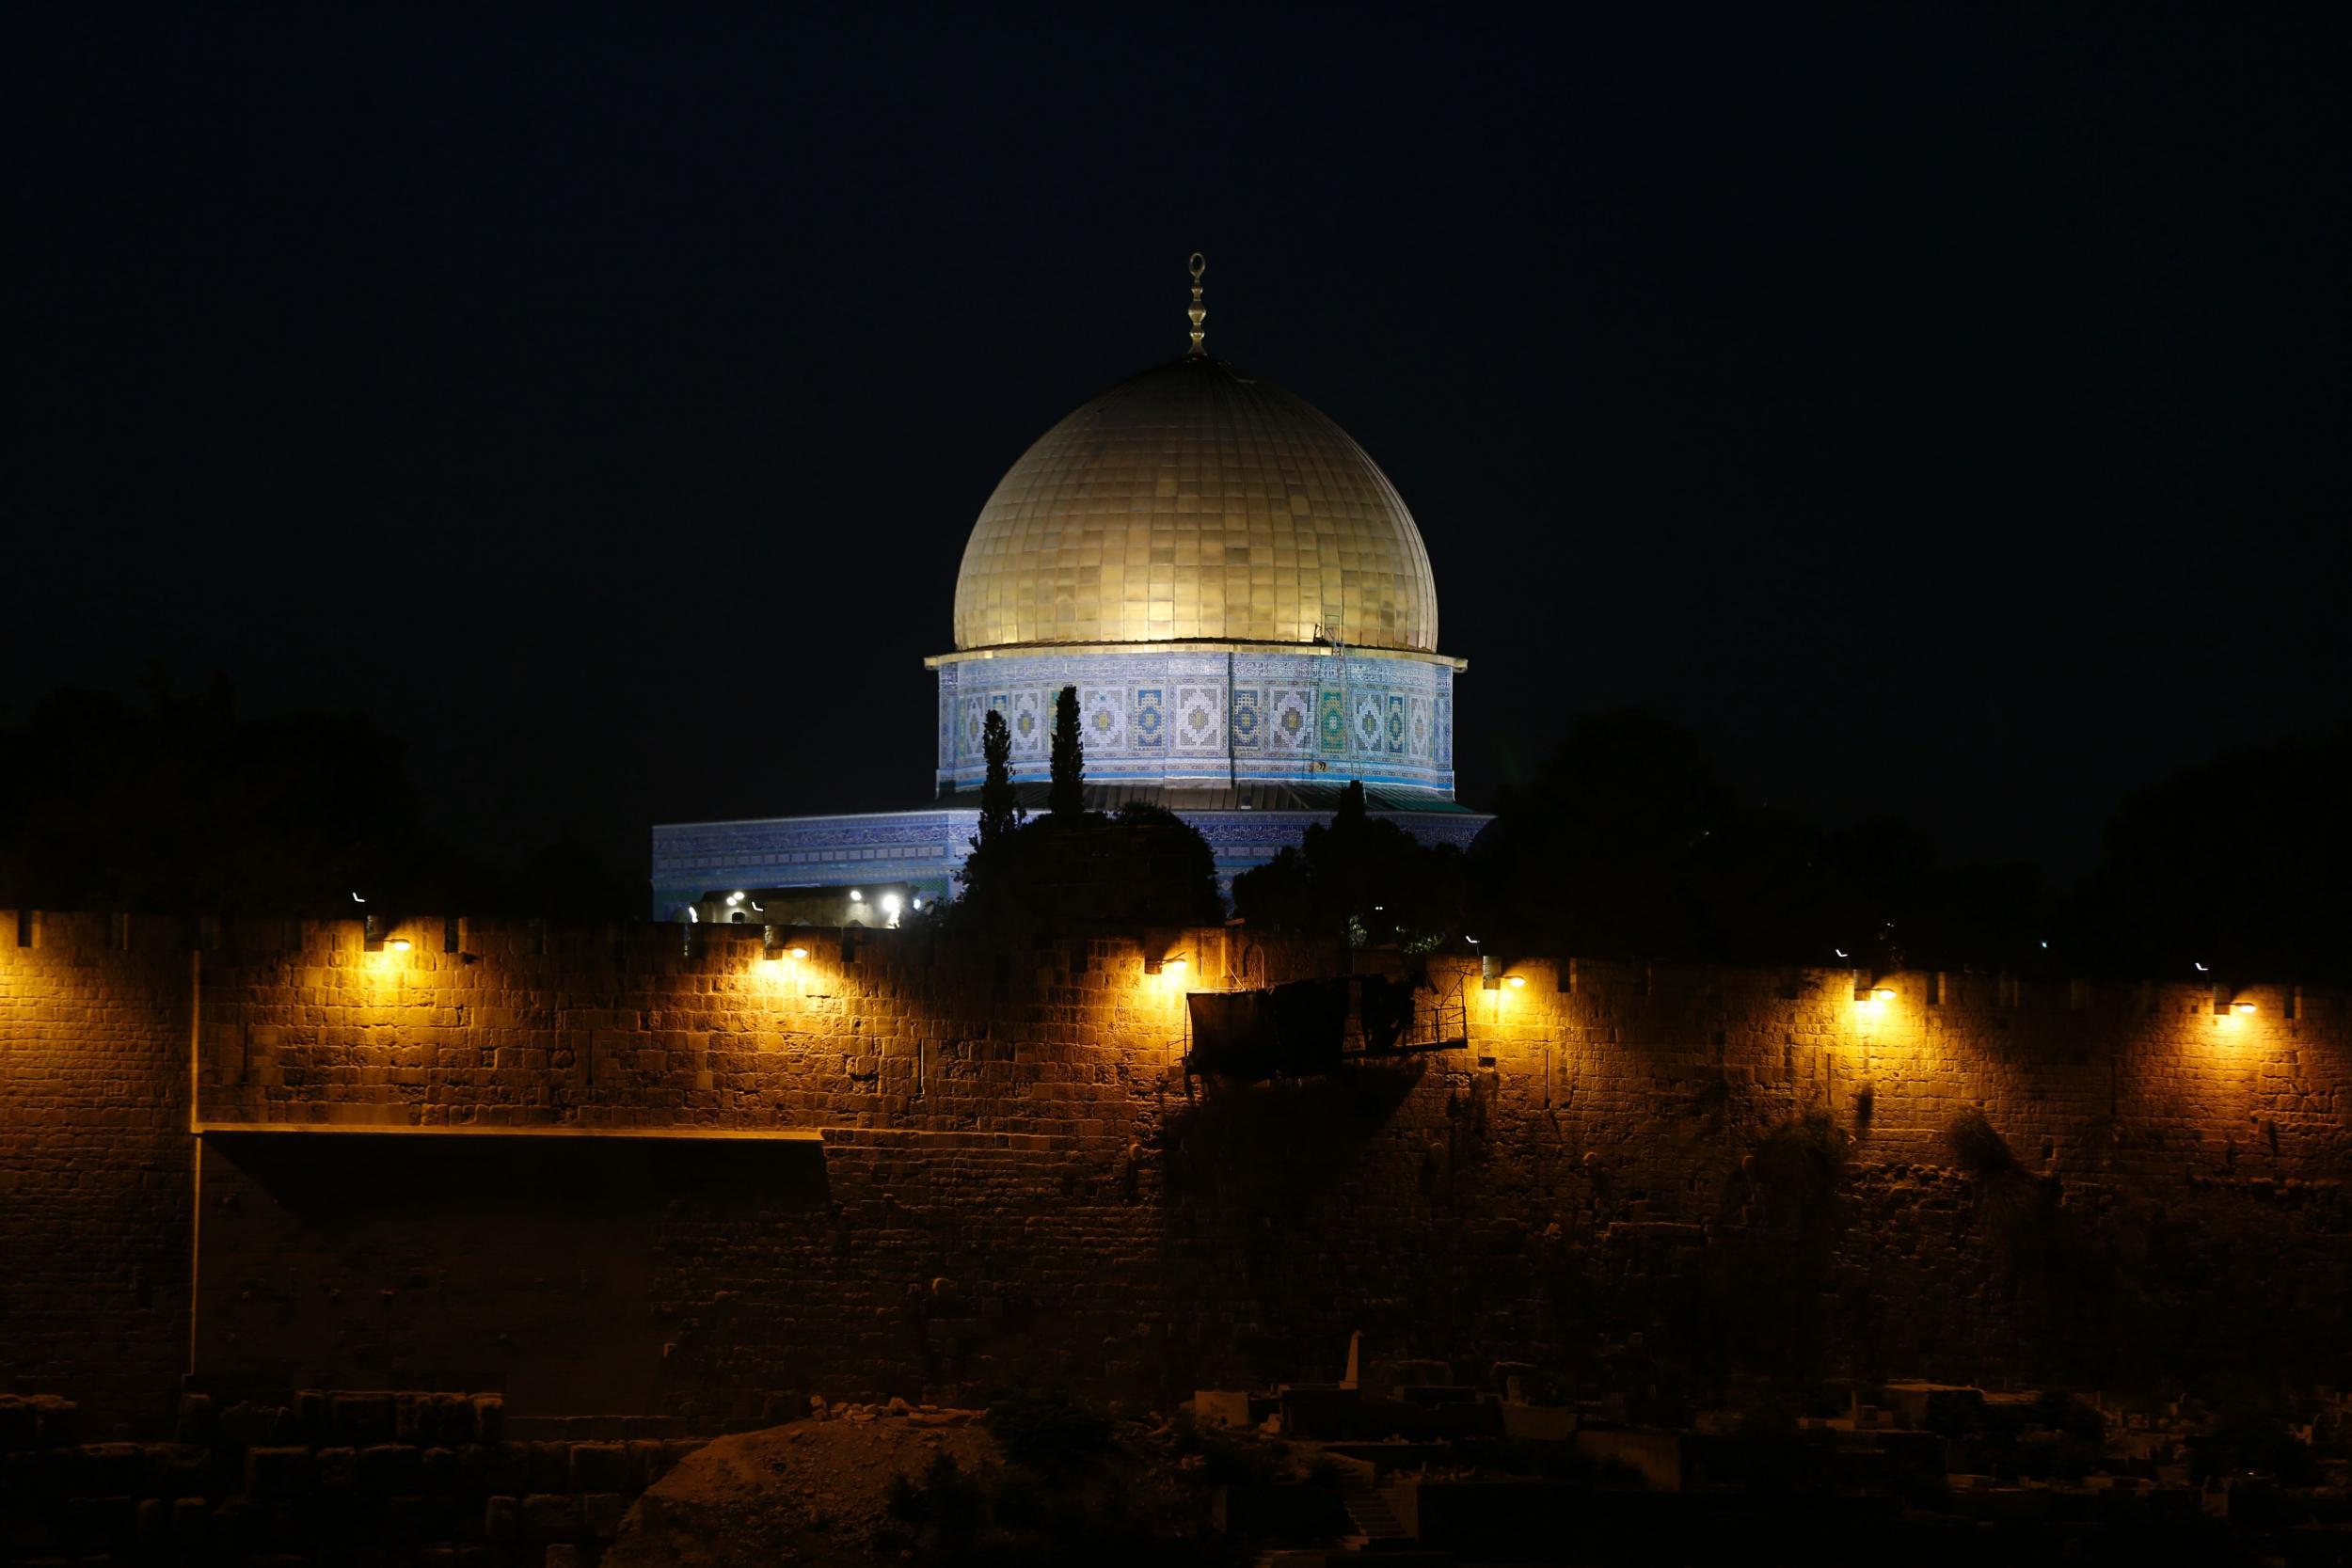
column 928, row 846
column 1178, row 715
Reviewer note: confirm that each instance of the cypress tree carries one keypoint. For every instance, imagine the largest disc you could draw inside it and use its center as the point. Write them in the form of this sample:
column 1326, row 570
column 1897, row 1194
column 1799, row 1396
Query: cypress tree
column 1066, row 796
column 997, row 813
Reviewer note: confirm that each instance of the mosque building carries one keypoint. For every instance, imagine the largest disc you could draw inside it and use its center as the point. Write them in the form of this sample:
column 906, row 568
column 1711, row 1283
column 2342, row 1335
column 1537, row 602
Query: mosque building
column 1244, row 606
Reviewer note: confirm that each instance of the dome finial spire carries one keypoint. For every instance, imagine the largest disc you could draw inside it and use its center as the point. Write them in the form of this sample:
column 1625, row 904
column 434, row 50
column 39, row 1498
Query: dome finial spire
column 1198, row 313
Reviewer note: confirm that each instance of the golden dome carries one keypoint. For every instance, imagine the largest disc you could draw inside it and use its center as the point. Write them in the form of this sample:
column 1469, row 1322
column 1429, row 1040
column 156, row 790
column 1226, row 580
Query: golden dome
column 1196, row 501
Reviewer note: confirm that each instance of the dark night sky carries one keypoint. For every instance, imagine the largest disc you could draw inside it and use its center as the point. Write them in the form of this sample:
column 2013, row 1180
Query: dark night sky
column 1938, row 413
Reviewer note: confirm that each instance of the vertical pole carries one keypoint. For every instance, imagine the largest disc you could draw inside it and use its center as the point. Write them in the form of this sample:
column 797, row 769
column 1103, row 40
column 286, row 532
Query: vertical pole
column 196, row 1143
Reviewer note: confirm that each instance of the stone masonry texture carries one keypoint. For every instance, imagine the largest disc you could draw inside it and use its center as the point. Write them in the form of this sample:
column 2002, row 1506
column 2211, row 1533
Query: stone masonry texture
column 651, row 1169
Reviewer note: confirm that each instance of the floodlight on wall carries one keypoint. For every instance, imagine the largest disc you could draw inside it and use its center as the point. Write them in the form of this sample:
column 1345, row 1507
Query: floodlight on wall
column 856, row 897
column 2235, row 1007
column 398, row 945
column 1172, row 966
column 1516, row 982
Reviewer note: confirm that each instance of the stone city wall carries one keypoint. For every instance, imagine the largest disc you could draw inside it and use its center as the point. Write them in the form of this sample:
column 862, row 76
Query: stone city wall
column 602, row 1170
column 95, row 1164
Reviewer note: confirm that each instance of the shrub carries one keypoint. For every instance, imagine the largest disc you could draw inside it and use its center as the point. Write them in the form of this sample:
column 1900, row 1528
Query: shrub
column 1049, row 1430
column 1978, row 1145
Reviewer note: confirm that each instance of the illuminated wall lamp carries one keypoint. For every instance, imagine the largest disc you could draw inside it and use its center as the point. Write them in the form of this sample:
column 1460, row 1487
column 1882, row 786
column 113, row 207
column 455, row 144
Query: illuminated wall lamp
column 1171, row 965
column 1516, row 982
column 398, row 945
column 2239, row 1008
column 1874, row 993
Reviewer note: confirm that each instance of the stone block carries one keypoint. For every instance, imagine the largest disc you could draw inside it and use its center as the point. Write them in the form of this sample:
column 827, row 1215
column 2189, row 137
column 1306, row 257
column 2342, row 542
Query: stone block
column 645, row 1465
column 504, row 1466
column 550, row 1466
column 551, row 1515
column 249, row 1425
column 604, row 1510
column 599, row 1467
column 339, row 1470
column 561, row 1555
column 280, row 1472
column 391, row 1467
column 197, row 1421
column 363, row 1421
column 191, row 1524
column 454, row 1422
column 56, row 1422
column 501, row 1519
column 112, row 1522
column 175, row 1469
column 441, row 1471
column 18, row 1424
column 490, row 1417
column 104, row 1468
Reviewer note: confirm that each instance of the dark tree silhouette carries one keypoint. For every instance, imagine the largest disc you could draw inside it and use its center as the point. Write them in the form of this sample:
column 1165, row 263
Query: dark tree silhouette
column 1629, row 845
column 1359, row 881
column 1066, row 794
column 178, row 806
column 1083, row 870
column 564, row 880
column 998, row 811
column 2243, row 865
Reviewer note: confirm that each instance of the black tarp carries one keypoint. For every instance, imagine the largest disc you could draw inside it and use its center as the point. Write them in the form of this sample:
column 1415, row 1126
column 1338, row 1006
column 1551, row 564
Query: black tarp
column 1294, row 1028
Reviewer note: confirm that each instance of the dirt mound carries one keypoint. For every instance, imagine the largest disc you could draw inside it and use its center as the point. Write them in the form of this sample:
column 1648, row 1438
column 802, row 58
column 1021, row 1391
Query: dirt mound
column 806, row 1493
column 1044, row 1480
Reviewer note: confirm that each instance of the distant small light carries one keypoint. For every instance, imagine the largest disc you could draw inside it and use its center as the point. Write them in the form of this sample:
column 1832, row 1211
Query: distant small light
column 2045, row 946
column 2200, row 968
column 1839, row 951
column 856, row 897
column 735, row 897
column 890, row 903
column 919, row 903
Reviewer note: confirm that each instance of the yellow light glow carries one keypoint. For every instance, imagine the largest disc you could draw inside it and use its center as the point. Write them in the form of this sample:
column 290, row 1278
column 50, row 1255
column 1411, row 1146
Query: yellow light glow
column 1516, row 982
column 398, row 945
column 1883, row 994
column 2242, row 1009
column 1173, row 966
column 800, row 952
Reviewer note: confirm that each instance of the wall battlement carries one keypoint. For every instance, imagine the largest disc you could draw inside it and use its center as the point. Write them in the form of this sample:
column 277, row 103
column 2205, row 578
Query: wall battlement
column 650, row 1168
